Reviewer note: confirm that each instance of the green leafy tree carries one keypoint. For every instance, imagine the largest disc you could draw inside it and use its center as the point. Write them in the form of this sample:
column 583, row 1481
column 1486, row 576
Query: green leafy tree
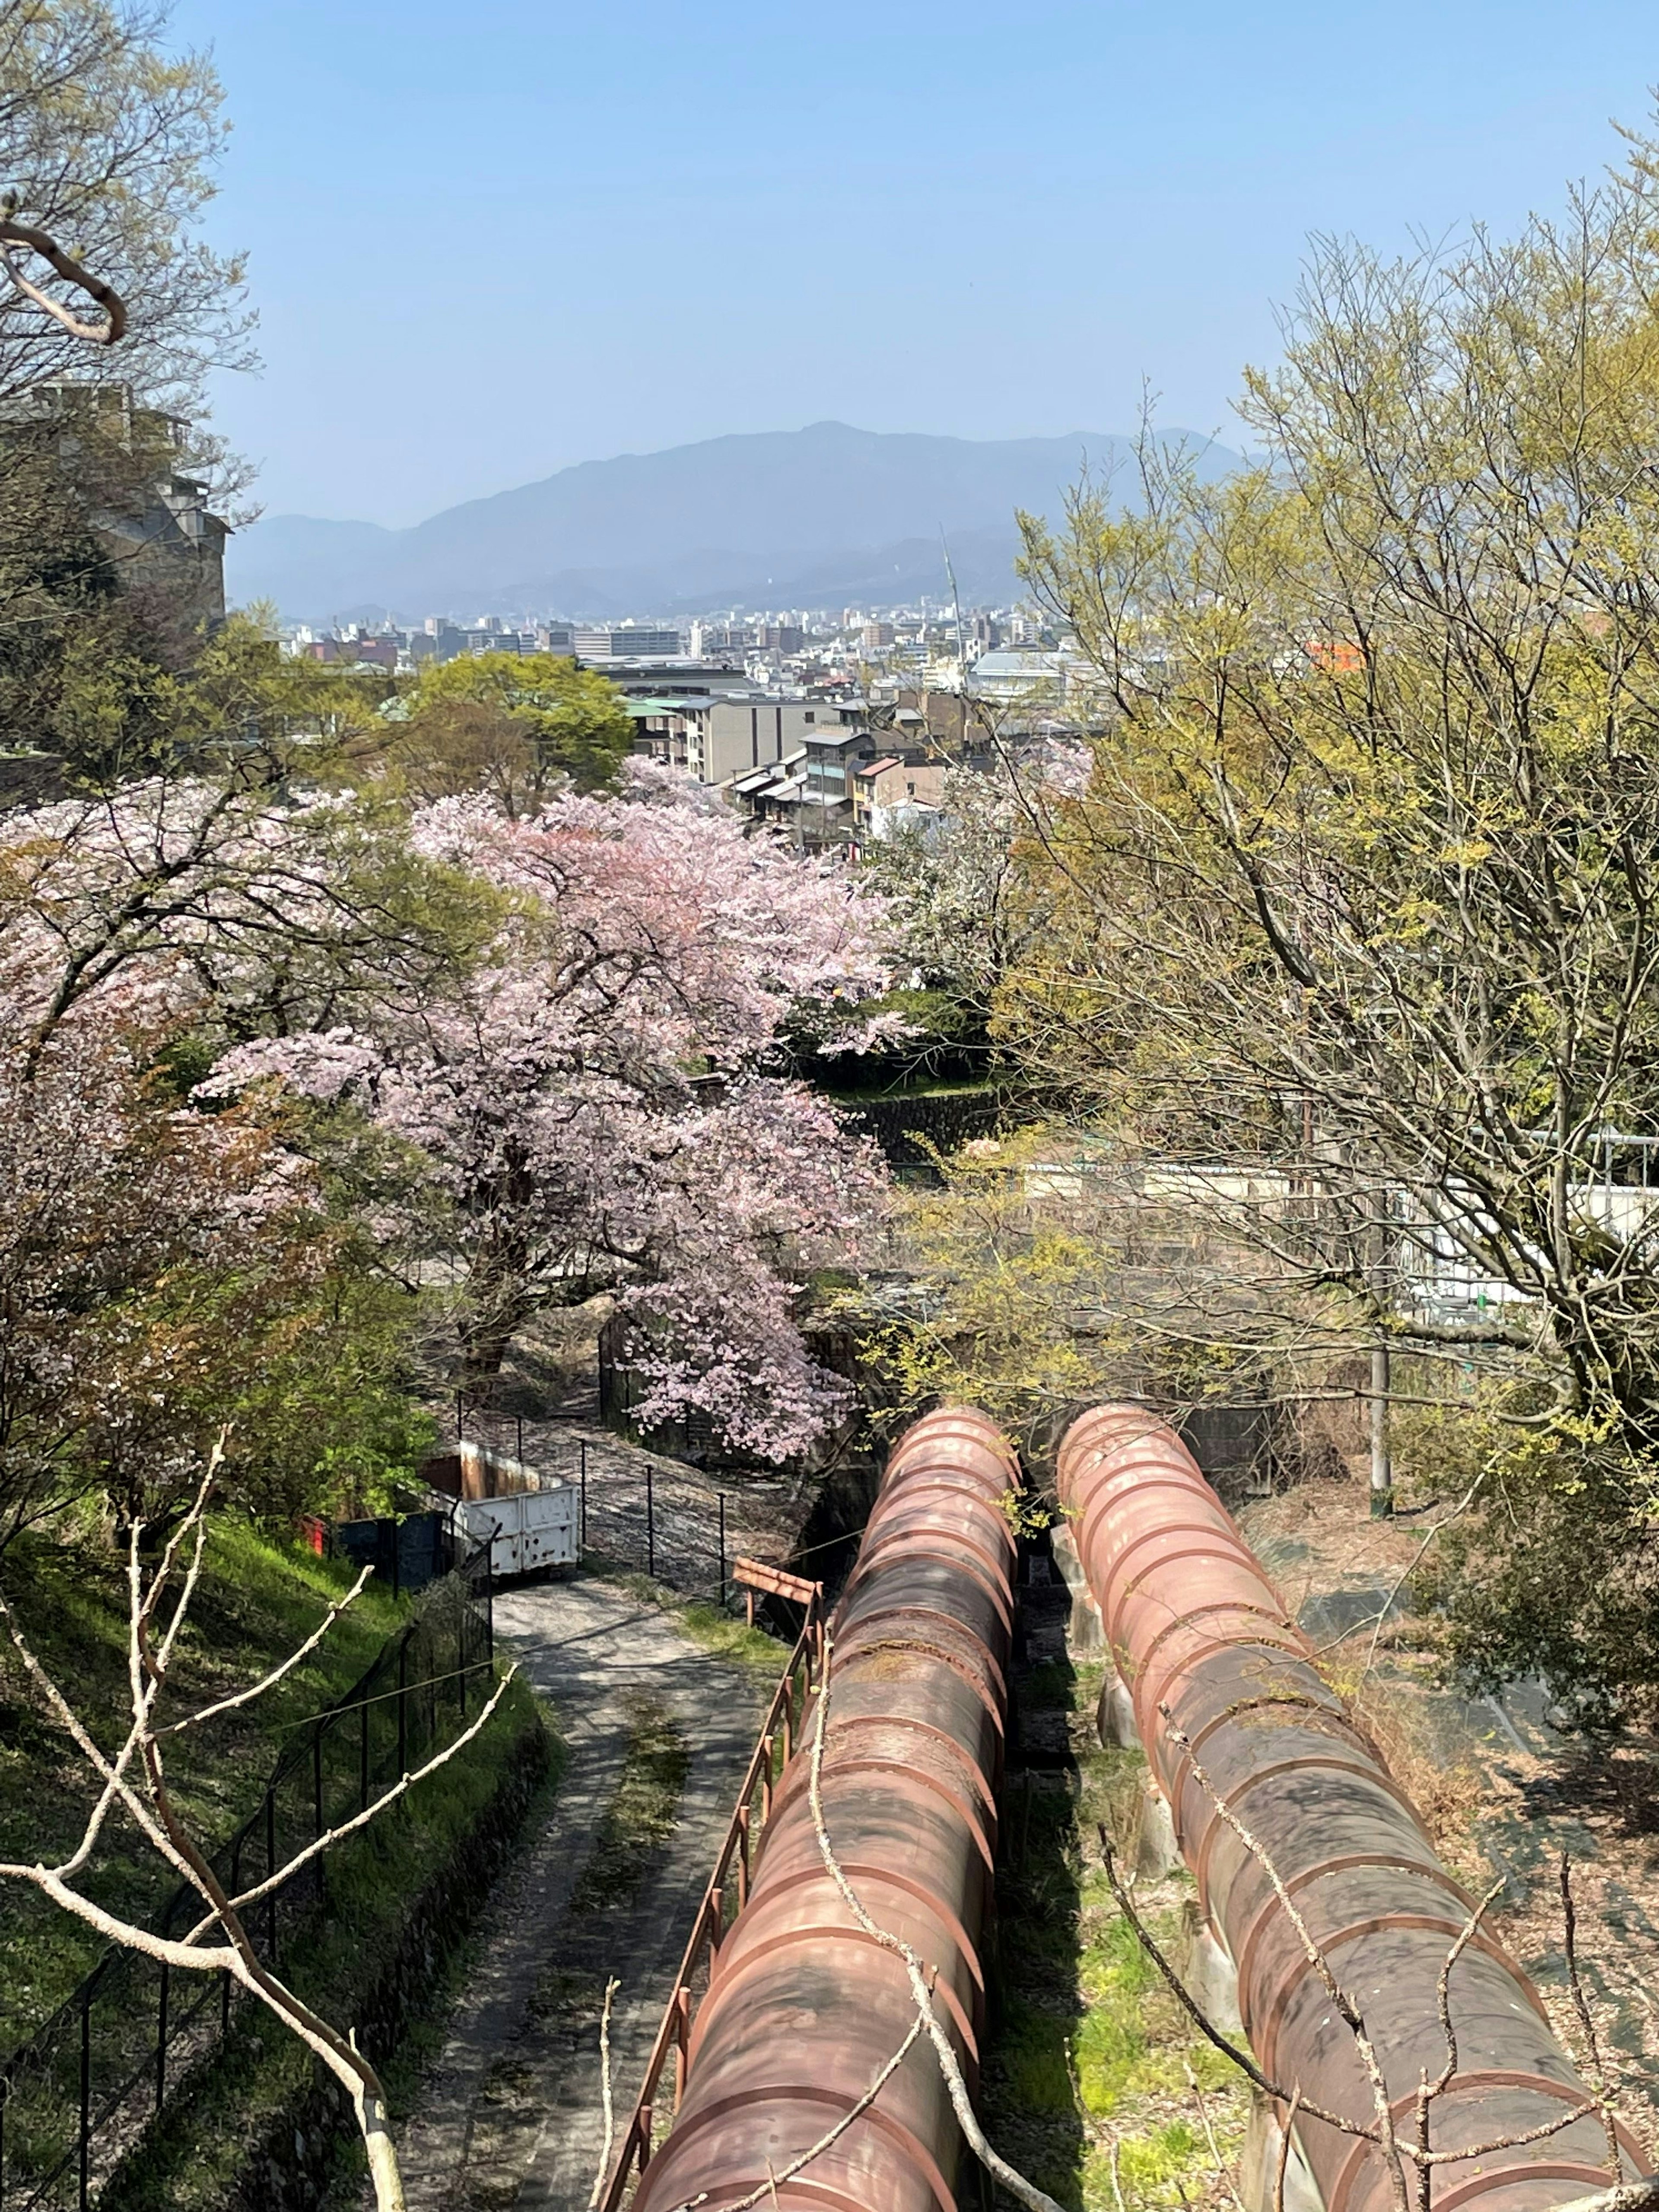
column 1353, row 938
column 516, row 725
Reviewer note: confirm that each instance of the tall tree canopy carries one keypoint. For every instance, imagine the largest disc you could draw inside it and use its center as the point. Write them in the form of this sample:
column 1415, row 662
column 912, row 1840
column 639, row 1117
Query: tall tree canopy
column 108, row 143
column 519, row 727
column 1356, row 923
column 596, row 1095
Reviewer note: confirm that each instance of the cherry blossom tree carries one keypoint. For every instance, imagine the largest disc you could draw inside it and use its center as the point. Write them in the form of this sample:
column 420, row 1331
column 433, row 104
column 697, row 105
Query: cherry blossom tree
column 164, row 1272
column 595, row 1096
column 238, row 902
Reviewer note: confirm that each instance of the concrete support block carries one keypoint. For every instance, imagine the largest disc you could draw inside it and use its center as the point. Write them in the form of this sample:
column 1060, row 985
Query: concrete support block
column 1115, row 1718
column 1259, row 2164
column 1087, row 1636
column 1157, row 1852
column 1206, row 1970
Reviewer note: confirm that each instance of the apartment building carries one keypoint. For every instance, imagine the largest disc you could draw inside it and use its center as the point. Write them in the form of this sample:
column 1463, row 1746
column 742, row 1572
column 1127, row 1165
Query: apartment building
column 716, row 735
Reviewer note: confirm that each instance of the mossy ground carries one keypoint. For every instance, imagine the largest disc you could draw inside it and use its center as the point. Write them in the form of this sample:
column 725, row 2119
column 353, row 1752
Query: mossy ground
column 193, row 2160
column 1090, row 2064
column 642, row 1816
column 258, row 1599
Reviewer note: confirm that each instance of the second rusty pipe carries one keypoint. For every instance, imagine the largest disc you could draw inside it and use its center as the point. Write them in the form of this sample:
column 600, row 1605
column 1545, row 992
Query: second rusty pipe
column 1204, row 1644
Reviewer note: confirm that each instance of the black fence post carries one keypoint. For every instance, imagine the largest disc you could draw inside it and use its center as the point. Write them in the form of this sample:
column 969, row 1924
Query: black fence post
column 162, row 2040
column 650, row 1522
column 490, row 1610
column 316, row 1783
column 461, row 1638
column 362, row 1756
column 403, row 1705
column 235, row 1886
column 86, row 2097
column 581, row 1533
column 721, row 1496
column 270, row 1868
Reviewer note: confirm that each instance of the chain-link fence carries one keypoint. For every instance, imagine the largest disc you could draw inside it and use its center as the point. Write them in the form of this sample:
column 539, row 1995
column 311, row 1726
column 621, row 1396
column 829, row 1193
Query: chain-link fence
column 77, row 2096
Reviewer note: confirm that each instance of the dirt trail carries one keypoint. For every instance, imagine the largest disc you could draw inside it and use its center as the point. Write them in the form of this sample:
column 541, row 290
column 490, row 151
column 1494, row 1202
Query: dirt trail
column 509, row 2115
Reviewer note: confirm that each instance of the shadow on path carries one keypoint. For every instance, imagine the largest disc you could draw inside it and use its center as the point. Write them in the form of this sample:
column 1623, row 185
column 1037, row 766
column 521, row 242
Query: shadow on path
column 509, row 2115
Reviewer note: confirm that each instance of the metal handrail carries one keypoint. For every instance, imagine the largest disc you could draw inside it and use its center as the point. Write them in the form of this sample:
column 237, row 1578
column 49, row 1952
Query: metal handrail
column 708, row 1930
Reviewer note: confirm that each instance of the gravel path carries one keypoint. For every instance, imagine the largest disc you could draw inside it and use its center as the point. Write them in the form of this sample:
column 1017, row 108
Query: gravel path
column 510, row 2113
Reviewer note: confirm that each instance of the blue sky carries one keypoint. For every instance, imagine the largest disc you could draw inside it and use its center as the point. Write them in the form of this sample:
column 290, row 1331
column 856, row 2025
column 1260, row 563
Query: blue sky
column 490, row 238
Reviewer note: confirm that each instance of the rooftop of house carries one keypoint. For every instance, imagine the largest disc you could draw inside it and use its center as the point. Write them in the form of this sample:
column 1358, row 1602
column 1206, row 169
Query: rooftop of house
column 757, row 779
column 833, row 740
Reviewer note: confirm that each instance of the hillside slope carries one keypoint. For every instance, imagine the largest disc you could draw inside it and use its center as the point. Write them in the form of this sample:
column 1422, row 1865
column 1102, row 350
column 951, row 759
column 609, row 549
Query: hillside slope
column 780, row 518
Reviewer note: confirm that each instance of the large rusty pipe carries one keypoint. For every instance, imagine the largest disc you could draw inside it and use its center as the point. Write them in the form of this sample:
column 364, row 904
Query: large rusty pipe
column 1202, row 1640
column 803, row 2008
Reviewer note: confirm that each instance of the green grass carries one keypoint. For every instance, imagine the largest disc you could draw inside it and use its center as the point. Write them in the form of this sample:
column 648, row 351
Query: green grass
column 729, row 1639
column 258, row 1600
column 194, row 2159
column 1088, row 2051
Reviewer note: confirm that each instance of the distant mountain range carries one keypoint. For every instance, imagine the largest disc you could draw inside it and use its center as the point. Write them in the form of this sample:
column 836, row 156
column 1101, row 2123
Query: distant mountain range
column 792, row 518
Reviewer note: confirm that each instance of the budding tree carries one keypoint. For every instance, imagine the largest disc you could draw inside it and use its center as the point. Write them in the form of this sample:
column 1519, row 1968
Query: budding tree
column 1353, row 940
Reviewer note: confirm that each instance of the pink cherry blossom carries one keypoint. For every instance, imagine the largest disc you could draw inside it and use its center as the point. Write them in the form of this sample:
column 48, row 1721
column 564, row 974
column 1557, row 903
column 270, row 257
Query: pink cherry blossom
column 598, row 1101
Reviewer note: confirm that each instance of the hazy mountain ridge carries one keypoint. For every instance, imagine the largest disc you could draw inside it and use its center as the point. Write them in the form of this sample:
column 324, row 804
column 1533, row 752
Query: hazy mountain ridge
column 780, row 518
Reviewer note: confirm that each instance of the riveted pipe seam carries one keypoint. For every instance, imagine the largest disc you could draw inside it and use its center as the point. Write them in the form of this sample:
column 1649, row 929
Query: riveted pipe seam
column 799, row 1991
column 1205, row 1645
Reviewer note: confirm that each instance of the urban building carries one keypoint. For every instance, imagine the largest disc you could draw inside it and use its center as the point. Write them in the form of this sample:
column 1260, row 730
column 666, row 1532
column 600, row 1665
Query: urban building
column 715, row 736
column 643, row 679
column 892, row 794
column 627, row 642
column 163, row 537
column 716, row 638
column 808, row 793
column 382, row 651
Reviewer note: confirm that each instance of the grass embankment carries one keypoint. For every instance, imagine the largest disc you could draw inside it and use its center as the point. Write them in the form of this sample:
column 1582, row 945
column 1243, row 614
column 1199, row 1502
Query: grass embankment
column 257, row 1601
column 1090, row 2064
column 379, row 1946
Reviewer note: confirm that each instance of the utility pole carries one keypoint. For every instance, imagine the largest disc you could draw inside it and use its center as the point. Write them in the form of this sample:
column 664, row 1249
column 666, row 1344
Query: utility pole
column 1381, row 1465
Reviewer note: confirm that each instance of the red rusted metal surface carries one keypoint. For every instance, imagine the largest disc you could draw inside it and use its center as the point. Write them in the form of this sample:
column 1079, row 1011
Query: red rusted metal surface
column 727, row 1893
column 1202, row 1640
column 803, row 2009
column 773, row 1582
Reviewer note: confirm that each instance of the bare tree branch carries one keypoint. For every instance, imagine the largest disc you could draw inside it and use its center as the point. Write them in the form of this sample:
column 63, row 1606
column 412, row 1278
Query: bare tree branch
column 107, row 333
column 153, row 1807
column 1581, row 2005
column 604, row 2174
